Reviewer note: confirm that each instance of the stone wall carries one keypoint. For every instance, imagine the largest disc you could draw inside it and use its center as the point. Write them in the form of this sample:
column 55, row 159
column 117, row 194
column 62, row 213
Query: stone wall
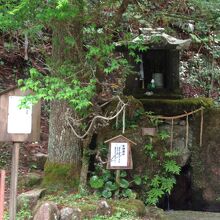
column 198, row 186
column 205, row 162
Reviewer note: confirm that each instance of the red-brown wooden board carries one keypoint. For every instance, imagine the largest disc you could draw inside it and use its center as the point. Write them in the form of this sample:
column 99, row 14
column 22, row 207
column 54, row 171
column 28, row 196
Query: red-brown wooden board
column 2, row 193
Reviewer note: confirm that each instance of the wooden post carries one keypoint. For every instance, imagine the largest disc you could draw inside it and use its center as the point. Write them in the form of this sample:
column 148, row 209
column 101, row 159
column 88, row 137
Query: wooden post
column 2, row 193
column 117, row 177
column 14, row 180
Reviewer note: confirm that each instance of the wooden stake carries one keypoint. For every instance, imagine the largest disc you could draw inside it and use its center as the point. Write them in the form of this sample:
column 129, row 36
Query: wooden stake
column 201, row 128
column 2, row 193
column 171, row 135
column 117, row 179
column 14, row 181
column 187, row 130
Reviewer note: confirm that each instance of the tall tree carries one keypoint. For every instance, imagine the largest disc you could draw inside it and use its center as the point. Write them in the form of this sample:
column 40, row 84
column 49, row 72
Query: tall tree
column 78, row 74
column 83, row 69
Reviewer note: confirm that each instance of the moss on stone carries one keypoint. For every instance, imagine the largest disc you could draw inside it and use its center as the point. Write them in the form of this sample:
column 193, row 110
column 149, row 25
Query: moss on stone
column 29, row 180
column 177, row 106
column 205, row 161
column 59, row 175
column 137, row 206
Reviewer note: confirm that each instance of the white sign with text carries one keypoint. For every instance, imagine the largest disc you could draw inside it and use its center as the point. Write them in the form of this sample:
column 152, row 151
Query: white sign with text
column 119, row 154
column 19, row 119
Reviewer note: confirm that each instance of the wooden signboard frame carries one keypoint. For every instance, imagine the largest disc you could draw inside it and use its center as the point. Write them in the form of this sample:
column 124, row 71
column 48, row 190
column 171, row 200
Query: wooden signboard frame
column 11, row 119
column 4, row 107
column 120, row 139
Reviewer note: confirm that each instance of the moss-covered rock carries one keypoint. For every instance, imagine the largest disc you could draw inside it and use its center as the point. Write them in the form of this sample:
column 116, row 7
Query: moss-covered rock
column 175, row 106
column 60, row 176
column 29, row 180
column 205, row 162
column 137, row 206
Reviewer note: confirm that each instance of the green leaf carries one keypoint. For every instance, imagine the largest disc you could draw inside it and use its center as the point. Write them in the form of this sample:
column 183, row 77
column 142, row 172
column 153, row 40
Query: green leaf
column 111, row 186
column 167, row 184
column 154, row 195
column 96, row 182
column 195, row 38
column 172, row 167
column 137, row 180
column 123, row 174
column 155, row 182
column 106, row 194
column 164, row 135
column 127, row 193
column 124, row 183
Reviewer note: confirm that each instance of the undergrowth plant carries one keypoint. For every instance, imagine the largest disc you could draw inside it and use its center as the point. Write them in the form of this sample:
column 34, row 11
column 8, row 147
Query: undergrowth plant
column 163, row 181
column 157, row 184
column 121, row 214
column 23, row 214
column 103, row 181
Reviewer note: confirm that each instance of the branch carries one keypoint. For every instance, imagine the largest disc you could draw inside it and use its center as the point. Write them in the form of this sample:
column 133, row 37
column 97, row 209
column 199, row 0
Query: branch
column 96, row 118
column 122, row 9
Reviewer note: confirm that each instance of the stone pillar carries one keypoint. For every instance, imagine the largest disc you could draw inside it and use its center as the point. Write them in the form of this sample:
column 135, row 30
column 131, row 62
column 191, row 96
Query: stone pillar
column 173, row 71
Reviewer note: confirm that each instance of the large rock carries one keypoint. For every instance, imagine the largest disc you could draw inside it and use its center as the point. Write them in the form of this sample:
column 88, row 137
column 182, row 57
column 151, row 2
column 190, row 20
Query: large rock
column 31, row 198
column 29, row 180
column 205, row 162
column 47, row 211
column 70, row 214
column 103, row 208
column 179, row 140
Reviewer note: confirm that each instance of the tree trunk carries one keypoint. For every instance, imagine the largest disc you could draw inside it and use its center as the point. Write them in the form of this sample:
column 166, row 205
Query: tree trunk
column 64, row 148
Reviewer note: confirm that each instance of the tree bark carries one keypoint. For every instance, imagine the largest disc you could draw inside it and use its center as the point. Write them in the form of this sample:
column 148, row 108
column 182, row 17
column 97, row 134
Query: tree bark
column 64, row 148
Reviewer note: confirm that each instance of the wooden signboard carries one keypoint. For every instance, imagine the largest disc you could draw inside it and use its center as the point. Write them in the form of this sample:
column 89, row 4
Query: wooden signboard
column 119, row 156
column 18, row 125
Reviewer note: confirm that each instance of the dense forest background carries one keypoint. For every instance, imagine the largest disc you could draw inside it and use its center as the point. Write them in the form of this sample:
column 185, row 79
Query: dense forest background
column 65, row 51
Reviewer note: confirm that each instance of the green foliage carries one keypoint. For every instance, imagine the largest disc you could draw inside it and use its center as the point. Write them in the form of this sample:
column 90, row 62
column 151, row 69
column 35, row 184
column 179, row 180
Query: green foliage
column 23, row 214
column 164, row 135
column 107, row 187
column 55, row 88
column 72, row 76
column 96, row 182
column 148, row 150
column 121, row 214
column 203, row 73
column 171, row 167
column 4, row 157
column 162, row 182
column 153, row 120
column 65, row 198
column 124, row 209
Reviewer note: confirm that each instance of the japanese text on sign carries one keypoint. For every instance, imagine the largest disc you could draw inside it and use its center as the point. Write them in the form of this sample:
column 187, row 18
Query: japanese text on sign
column 119, row 154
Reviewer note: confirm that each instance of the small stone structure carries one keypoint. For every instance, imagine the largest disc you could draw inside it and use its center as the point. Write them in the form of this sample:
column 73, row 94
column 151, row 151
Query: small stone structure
column 160, row 62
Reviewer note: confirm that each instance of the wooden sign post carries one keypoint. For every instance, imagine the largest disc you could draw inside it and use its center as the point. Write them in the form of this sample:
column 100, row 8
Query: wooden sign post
column 2, row 193
column 17, row 125
column 119, row 156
